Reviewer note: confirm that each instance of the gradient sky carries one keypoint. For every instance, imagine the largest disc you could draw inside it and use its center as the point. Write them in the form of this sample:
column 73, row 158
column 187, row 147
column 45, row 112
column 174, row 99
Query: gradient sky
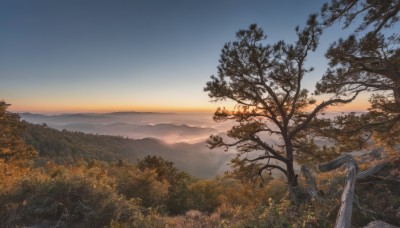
column 98, row 56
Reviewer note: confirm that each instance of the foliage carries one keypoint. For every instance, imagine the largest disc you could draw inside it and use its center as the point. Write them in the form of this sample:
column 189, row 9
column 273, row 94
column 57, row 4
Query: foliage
column 265, row 82
column 368, row 61
column 12, row 145
column 75, row 197
column 376, row 14
column 129, row 195
column 178, row 196
column 205, row 195
column 65, row 147
column 134, row 183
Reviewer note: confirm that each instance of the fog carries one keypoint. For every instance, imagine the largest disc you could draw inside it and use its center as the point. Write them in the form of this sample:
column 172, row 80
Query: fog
column 168, row 127
column 183, row 132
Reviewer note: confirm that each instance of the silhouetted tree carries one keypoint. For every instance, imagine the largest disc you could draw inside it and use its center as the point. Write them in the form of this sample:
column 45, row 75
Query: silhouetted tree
column 265, row 83
column 12, row 146
column 368, row 61
column 376, row 15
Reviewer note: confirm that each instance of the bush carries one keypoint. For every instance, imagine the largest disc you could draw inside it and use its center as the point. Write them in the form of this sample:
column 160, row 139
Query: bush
column 77, row 197
column 144, row 185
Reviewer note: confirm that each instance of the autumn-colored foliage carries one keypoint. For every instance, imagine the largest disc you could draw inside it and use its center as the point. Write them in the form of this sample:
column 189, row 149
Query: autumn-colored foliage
column 12, row 145
column 153, row 193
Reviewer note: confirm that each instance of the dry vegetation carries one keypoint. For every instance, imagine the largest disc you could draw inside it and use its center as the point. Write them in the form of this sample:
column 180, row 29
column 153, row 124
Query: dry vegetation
column 153, row 193
column 125, row 195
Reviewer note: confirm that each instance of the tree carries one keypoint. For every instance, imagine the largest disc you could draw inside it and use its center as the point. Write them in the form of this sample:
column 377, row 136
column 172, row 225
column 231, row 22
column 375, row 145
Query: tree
column 377, row 14
column 265, row 83
column 12, row 146
column 178, row 191
column 368, row 60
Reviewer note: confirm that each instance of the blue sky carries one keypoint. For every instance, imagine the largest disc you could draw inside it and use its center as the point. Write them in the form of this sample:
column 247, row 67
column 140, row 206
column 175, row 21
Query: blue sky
column 148, row 55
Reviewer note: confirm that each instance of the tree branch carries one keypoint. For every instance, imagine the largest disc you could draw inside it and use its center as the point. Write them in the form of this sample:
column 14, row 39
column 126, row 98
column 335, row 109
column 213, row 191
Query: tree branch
column 318, row 109
column 268, row 148
column 272, row 167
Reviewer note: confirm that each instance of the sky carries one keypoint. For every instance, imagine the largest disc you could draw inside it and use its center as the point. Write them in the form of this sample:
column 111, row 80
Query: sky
column 132, row 55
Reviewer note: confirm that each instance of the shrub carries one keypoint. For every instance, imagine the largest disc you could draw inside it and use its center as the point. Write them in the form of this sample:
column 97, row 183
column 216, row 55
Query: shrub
column 76, row 197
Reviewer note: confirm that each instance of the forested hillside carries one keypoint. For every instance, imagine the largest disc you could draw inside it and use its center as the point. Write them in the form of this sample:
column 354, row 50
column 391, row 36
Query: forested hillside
column 67, row 147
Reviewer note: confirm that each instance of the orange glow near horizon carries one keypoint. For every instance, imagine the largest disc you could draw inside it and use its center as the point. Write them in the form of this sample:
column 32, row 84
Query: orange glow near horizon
column 356, row 106
column 105, row 109
column 180, row 105
column 360, row 104
column 359, row 107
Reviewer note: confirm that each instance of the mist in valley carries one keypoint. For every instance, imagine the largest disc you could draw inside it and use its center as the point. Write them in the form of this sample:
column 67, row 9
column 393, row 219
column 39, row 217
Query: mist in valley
column 168, row 127
column 178, row 137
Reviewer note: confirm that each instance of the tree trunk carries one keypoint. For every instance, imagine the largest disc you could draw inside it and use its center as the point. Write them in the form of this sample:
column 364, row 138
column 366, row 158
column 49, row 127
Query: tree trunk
column 297, row 194
column 291, row 175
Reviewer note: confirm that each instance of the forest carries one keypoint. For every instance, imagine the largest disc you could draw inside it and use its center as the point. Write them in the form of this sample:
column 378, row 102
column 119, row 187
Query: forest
column 63, row 178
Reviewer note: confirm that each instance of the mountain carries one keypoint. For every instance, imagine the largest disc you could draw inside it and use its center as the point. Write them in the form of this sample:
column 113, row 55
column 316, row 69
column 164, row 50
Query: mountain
column 66, row 147
column 122, row 114
column 65, row 118
column 167, row 132
column 165, row 126
column 104, row 118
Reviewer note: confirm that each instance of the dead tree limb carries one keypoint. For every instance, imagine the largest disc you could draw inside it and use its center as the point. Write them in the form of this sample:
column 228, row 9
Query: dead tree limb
column 366, row 173
column 336, row 163
column 343, row 219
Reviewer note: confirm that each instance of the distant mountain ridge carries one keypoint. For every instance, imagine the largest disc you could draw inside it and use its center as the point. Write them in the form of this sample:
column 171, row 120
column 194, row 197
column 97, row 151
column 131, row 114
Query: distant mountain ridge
column 128, row 124
column 134, row 112
column 108, row 114
column 79, row 117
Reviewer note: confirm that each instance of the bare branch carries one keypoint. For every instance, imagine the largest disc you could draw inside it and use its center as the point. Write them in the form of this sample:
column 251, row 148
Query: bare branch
column 273, row 167
column 319, row 108
column 369, row 172
column 268, row 148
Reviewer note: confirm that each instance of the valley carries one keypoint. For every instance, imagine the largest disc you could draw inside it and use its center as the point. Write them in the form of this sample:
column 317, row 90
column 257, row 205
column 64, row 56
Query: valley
column 70, row 138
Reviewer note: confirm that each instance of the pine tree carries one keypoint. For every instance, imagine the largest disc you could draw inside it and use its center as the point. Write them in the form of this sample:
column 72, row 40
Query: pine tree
column 12, row 145
column 265, row 83
column 369, row 61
